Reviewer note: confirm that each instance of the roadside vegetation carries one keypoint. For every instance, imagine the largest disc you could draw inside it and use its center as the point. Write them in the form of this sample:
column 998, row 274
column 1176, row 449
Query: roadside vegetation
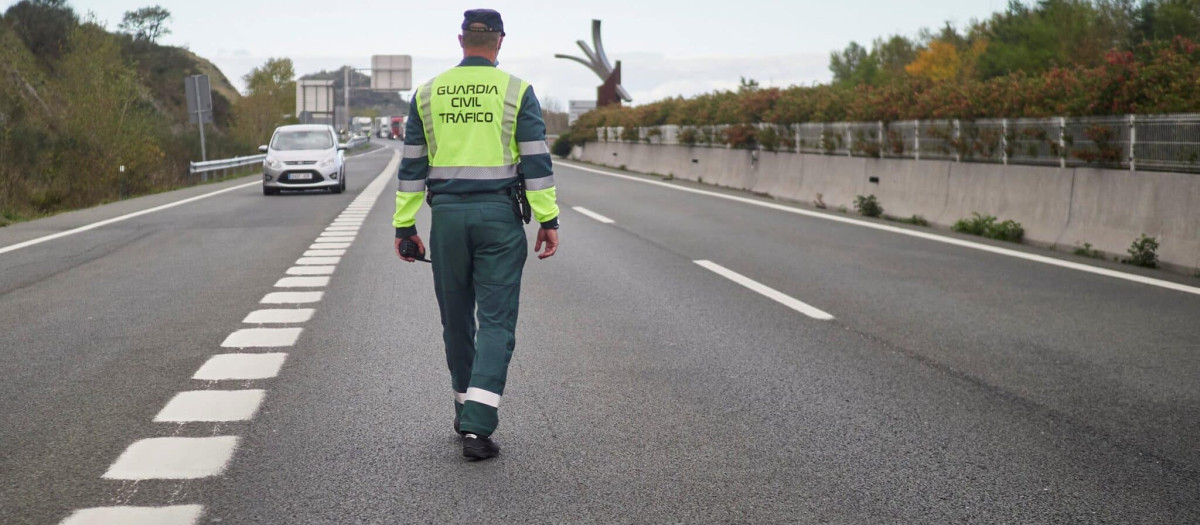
column 1047, row 58
column 987, row 226
column 78, row 101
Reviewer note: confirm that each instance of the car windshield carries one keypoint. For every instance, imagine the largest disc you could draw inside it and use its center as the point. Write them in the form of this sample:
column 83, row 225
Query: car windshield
column 301, row 140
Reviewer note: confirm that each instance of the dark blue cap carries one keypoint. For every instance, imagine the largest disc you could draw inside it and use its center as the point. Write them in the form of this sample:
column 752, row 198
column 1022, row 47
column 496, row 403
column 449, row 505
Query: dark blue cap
column 489, row 18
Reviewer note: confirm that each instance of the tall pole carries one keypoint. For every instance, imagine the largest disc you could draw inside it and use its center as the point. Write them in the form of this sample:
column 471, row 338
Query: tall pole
column 200, row 117
column 346, row 100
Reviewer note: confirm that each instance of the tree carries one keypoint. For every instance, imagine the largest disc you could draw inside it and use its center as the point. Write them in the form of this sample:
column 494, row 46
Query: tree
column 146, row 24
column 269, row 102
column 939, row 62
column 853, row 66
column 44, row 25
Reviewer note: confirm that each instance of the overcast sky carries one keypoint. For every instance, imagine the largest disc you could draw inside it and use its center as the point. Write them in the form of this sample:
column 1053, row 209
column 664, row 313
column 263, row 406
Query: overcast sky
column 667, row 47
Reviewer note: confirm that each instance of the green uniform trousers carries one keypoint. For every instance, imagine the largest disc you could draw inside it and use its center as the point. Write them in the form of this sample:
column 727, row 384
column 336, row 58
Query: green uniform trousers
column 478, row 249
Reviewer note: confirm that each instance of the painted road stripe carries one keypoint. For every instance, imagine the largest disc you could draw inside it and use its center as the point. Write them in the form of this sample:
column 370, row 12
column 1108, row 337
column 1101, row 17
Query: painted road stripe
column 279, row 316
column 302, row 282
column 771, row 293
column 348, row 221
column 292, row 297
column 262, row 338
column 333, row 240
column 211, row 406
column 127, row 216
column 593, row 215
column 173, row 515
column 342, row 229
column 324, row 253
column 311, row 270
column 343, row 236
column 913, row 233
column 228, row 367
column 318, row 261
column 174, row 458
column 329, row 245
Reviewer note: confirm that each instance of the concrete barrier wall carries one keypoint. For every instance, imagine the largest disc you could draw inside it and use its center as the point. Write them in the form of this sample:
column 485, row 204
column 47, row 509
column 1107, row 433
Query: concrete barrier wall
column 1060, row 208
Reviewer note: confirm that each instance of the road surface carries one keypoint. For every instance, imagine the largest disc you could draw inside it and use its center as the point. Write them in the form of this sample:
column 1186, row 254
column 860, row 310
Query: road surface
column 685, row 358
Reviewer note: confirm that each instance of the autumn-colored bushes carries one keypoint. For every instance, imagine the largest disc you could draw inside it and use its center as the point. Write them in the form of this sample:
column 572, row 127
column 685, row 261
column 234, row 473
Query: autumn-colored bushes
column 1154, row 78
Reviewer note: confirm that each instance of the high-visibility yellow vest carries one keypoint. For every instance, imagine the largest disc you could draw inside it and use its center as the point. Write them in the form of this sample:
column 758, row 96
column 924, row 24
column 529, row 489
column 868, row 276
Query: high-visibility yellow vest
column 470, row 119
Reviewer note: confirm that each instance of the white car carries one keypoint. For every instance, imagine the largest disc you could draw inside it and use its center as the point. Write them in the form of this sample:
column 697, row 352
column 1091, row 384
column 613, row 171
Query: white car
column 303, row 157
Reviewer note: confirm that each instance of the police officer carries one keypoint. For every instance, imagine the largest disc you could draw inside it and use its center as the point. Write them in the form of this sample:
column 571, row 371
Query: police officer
column 474, row 134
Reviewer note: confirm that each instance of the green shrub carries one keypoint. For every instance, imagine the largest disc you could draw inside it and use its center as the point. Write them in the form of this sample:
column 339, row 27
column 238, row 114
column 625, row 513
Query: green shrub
column 915, row 220
column 1143, row 252
column 986, row 226
column 1087, row 251
column 868, row 206
column 562, row 147
column 688, row 136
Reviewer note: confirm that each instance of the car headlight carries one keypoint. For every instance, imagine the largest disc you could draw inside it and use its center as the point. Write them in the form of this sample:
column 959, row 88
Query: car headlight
column 272, row 164
column 328, row 162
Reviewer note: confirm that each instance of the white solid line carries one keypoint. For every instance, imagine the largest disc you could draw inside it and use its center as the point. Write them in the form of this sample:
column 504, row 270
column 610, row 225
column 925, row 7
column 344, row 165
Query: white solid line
column 324, row 253
column 127, row 216
column 211, row 406
column 124, row 515
column 292, row 297
column 918, row 234
column 262, row 338
column 593, row 214
column 769, row 292
column 311, row 270
column 303, row 282
column 318, row 260
column 279, row 316
column 323, row 245
column 174, row 458
column 228, row 367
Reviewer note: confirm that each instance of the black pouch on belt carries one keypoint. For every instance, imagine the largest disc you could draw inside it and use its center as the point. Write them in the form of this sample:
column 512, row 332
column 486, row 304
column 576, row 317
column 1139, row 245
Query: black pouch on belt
column 520, row 203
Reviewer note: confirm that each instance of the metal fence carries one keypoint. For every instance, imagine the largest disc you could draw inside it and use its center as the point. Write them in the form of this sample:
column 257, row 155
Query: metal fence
column 1134, row 142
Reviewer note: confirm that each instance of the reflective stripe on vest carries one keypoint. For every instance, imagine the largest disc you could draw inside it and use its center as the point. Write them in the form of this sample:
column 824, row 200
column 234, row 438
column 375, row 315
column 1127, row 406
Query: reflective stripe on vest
column 469, row 116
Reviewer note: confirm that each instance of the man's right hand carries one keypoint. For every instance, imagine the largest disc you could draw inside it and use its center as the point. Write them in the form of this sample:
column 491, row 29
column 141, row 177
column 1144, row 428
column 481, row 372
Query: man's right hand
column 550, row 239
column 414, row 238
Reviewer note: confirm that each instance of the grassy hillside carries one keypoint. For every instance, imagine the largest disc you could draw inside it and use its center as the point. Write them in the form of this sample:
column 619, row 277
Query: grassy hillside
column 77, row 102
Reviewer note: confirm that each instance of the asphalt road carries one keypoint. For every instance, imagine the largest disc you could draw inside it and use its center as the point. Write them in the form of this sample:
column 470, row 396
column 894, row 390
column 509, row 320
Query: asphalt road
column 951, row 385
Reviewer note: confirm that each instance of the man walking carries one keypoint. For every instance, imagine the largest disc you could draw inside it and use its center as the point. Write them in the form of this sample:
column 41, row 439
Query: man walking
column 474, row 136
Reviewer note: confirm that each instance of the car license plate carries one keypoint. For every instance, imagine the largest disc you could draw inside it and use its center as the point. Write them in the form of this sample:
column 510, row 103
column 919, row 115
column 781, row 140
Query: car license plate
column 300, row 176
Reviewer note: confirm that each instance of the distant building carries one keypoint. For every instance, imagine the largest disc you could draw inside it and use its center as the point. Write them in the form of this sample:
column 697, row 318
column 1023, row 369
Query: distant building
column 577, row 108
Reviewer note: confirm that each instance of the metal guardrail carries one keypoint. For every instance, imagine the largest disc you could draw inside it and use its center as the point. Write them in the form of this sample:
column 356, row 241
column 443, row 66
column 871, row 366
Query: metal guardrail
column 224, row 165
column 1133, row 142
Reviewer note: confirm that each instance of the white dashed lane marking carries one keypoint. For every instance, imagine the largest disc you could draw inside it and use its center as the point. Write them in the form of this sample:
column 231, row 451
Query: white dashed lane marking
column 175, row 515
column 174, row 458
column 349, row 228
column 769, row 292
column 593, row 214
column 324, row 253
column 318, row 261
column 311, row 270
column 226, row 367
column 292, row 297
column 262, row 338
column 337, row 236
column 281, row 316
column 302, row 282
column 211, row 406
column 320, row 245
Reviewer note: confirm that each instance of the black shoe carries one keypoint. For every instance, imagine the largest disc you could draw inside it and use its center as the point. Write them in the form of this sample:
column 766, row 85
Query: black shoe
column 478, row 448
